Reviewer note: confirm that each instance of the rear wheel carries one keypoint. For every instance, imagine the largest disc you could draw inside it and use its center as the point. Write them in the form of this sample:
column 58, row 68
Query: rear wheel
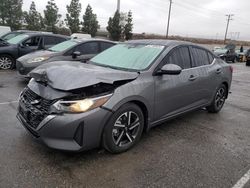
column 124, row 129
column 219, row 100
column 6, row 62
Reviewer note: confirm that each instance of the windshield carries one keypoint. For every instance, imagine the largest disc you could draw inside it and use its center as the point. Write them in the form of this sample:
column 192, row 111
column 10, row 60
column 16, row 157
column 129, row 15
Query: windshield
column 128, row 56
column 17, row 39
column 9, row 36
column 63, row 46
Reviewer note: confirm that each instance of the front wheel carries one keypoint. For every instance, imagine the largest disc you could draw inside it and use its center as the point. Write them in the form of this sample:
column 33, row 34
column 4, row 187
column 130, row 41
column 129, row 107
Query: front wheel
column 124, row 129
column 219, row 100
column 6, row 62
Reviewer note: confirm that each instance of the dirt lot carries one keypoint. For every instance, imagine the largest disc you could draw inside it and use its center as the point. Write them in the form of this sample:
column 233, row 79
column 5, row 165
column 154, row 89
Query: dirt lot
column 196, row 150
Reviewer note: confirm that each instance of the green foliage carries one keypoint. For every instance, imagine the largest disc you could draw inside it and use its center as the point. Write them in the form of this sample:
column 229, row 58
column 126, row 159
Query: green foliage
column 90, row 23
column 128, row 26
column 114, row 27
column 72, row 17
column 11, row 13
column 51, row 16
column 33, row 19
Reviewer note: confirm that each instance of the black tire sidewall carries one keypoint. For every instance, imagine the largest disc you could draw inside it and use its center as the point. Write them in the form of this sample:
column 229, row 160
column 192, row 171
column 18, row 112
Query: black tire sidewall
column 108, row 142
column 213, row 108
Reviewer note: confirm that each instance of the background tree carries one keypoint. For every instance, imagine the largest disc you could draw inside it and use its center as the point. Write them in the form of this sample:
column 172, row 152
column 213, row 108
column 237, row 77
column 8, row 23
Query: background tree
column 33, row 18
column 114, row 27
column 72, row 17
column 128, row 26
column 90, row 23
column 11, row 13
column 51, row 16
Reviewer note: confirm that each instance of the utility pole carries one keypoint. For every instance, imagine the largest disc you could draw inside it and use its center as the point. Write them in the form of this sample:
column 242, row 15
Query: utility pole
column 118, row 5
column 169, row 13
column 229, row 18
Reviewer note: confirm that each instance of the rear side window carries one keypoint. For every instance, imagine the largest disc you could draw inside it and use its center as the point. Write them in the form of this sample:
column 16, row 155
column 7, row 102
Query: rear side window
column 50, row 40
column 200, row 57
column 105, row 45
column 181, row 57
column 88, row 48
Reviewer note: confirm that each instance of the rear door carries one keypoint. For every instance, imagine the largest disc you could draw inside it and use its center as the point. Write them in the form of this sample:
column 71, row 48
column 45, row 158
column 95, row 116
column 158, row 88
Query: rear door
column 176, row 93
column 207, row 73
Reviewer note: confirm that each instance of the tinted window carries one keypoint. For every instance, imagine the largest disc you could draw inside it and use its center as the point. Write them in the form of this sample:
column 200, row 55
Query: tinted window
column 210, row 57
column 200, row 57
column 88, row 48
column 181, row 57
column 33, row 41
column 105, row 45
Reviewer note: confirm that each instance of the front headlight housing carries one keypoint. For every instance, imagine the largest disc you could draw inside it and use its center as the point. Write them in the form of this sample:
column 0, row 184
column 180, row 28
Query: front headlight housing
column 37, row 59
column 80, row 106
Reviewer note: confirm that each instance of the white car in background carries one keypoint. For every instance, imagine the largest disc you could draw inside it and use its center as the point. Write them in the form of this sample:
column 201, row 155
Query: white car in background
column 80, row 36
column 4, row 30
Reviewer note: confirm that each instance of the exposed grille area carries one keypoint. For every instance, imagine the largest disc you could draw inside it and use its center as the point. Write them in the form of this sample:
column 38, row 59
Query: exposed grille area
column 33, row 108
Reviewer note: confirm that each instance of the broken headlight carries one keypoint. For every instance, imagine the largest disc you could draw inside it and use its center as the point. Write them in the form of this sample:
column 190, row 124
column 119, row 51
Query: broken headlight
column 79, row 106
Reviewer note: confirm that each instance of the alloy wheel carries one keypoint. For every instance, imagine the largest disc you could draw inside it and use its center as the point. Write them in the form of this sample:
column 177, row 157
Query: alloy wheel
column 5, row 62
column 220, row 98
column 126, row 129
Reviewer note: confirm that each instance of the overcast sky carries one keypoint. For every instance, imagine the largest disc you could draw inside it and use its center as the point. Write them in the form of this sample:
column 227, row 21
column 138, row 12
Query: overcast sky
column 193, row 18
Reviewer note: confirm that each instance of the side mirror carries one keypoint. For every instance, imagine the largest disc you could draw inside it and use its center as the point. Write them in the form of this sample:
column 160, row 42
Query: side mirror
column 76, row 54
column 170, row 69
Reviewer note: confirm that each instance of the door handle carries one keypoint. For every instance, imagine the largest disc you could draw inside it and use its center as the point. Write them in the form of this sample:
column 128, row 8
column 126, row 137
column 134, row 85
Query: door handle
column 218, row 71
column 192, row 78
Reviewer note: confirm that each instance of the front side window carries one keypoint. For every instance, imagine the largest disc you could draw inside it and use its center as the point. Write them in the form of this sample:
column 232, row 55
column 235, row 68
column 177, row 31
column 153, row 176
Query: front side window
column 132, row 57
column 200, row 57
column 17, row 39
column 88, row 48
column 180, row 57
column 33, row 41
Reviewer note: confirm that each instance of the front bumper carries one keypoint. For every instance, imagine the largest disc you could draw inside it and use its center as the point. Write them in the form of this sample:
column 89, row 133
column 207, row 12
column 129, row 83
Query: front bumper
column 70, row 132
column 24, row 68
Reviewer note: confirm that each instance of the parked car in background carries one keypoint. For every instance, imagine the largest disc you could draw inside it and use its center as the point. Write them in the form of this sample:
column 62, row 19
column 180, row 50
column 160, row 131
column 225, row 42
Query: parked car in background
column 71, row 50
column 227, row 53
column 248, row 57
column 80, row 36
column 4, row 30
column 241, row 56
column 26, row 43
column 122, row 91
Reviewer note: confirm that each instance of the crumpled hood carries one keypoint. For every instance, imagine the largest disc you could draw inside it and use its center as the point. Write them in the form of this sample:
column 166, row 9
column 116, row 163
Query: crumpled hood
column 69, row 75
column 40, row 53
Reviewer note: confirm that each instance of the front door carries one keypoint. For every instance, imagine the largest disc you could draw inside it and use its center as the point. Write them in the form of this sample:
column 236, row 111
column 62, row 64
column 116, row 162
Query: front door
column 175, row 93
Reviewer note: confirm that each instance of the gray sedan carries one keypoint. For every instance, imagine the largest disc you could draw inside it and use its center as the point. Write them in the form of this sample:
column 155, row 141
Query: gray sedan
column 71, row 50
column 120, row 93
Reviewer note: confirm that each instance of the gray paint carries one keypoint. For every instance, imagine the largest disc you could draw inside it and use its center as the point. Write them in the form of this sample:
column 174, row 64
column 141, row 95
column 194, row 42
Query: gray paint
column 165, row 96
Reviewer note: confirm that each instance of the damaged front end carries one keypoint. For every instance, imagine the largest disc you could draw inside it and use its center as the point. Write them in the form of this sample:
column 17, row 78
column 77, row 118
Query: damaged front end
column 45, row 98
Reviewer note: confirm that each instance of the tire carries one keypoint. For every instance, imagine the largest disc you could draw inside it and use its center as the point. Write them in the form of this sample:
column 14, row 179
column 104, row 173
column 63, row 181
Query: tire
column 119, row 135
column 219, row 100
column 6, row 62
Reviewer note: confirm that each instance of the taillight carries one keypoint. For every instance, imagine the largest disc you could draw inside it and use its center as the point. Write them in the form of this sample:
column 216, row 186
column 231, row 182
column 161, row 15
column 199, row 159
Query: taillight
column 231, row 69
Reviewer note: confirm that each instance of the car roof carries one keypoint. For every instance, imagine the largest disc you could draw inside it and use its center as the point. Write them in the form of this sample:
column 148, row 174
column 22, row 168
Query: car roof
column 93, row 39
column 159, row 42
column 45, row 34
